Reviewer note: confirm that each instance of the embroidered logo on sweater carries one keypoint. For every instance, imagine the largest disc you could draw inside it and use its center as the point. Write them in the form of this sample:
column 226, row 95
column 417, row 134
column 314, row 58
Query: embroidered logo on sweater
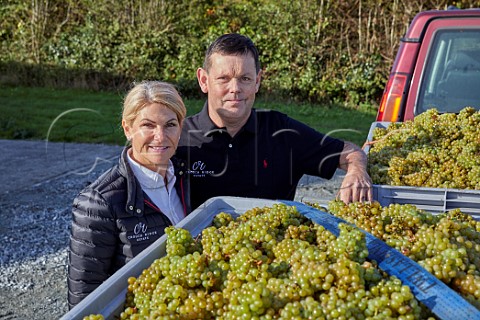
column 140, row 233
column 199, row 170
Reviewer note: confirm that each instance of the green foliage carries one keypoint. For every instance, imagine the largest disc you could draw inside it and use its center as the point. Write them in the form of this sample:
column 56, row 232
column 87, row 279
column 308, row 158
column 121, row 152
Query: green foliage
column 316, row 51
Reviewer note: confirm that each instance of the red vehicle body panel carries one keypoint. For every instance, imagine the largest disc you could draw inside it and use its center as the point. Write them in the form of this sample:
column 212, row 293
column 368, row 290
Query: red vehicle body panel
column 400, row 96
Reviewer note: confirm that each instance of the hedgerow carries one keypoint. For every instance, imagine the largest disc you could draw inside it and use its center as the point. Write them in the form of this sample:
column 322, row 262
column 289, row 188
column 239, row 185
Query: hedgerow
column 317, row 51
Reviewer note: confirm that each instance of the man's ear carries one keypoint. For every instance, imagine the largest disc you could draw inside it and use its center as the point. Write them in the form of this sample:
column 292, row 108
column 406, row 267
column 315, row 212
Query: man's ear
column 202, row 77
column 258, row 80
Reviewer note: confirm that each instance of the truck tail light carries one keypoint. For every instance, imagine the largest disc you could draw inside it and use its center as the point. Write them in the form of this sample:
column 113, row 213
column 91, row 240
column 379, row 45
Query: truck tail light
column 391, row 103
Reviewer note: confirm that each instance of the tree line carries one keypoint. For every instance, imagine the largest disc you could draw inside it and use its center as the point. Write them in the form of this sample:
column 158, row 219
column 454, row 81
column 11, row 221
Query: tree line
column 311, row 50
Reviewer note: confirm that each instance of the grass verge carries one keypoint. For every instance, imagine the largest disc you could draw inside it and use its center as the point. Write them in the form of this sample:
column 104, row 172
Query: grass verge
column 94, row 117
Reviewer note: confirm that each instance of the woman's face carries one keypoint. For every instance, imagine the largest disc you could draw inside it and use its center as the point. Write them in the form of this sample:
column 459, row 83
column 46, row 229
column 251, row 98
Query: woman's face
column 154, row 135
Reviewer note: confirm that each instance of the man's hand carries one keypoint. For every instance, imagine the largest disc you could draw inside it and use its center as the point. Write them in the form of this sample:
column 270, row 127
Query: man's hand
column 357, row 184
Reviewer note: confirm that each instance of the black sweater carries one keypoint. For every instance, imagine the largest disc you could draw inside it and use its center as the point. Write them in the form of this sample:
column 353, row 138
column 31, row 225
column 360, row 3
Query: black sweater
column 113, row 220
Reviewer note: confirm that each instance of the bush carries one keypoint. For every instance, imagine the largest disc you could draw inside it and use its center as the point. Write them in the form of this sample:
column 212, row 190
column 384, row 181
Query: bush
column 316, row 51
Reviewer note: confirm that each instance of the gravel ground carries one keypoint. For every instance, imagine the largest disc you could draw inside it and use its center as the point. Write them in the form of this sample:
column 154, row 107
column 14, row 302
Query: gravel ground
column 34, row 234
column 34, row 229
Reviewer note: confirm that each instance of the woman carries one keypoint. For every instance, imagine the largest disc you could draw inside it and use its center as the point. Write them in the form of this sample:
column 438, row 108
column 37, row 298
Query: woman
column 128, row 207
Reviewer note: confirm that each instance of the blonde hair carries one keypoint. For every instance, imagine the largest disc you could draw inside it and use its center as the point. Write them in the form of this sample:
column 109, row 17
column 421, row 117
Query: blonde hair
column 146, row 93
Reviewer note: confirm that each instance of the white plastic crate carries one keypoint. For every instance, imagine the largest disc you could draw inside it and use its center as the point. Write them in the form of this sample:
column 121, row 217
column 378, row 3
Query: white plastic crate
column 433, row 200
column 109, row 297
column 376, row 124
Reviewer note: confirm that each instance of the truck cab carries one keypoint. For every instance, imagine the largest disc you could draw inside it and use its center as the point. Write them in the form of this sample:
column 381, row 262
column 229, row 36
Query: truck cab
column 437, row 66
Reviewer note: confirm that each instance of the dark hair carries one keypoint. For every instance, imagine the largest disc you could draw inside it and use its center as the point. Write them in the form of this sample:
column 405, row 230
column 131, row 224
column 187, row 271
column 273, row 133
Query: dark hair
column 232, row 44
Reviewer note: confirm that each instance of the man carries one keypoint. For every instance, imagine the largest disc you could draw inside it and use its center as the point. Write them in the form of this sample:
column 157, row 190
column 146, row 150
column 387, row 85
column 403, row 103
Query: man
column 233, row 149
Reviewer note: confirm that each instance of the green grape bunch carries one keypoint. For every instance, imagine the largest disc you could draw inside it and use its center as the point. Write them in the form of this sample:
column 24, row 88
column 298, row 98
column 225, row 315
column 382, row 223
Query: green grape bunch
column 269, row 263
column 432, row 150
column 447, row 245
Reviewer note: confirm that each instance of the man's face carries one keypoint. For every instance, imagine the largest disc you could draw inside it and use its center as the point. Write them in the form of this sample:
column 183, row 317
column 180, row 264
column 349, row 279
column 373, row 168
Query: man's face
column 231, row 85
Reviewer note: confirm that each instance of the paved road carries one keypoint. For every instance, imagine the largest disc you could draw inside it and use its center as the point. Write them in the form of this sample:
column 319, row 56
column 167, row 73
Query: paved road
column 25, row 163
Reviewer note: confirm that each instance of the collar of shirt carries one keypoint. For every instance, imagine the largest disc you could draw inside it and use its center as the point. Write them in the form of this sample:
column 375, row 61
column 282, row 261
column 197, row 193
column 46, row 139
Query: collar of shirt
column 152, row 183
column 149, row 179
column 210, row 128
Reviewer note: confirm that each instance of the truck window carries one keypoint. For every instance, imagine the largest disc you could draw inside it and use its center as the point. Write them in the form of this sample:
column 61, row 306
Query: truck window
column 451, row 77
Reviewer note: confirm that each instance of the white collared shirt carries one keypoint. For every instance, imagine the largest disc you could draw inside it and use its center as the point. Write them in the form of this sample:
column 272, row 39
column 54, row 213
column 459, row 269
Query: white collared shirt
column 153, row 184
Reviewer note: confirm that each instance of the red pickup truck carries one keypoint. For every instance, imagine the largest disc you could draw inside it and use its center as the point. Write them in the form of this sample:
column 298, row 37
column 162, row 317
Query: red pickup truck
column 437, row 66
